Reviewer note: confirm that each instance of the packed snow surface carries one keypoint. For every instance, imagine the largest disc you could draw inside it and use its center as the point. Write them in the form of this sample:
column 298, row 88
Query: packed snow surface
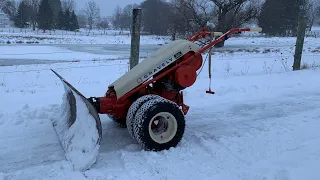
column 262, row 123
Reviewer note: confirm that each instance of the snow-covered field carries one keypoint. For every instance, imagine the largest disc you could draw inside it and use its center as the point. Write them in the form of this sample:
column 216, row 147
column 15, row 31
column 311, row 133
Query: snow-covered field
column 27, row 54
column 27, row 36
column 262, row 123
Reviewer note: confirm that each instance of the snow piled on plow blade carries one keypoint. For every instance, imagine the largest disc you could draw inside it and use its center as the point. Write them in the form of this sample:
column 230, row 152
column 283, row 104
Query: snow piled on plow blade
column 78, row 128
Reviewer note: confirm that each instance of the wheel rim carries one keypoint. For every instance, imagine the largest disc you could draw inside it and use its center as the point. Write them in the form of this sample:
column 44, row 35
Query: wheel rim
column 163, row 127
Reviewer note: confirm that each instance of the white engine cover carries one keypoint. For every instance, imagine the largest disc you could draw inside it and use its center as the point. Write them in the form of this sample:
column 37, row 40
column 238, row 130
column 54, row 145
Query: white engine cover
column 160, row 59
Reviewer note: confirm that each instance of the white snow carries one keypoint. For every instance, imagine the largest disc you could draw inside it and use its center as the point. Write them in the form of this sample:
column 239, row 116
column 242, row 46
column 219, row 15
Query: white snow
column 27, row 36
column 262, row 123
column 81, row 140
column 48, row 53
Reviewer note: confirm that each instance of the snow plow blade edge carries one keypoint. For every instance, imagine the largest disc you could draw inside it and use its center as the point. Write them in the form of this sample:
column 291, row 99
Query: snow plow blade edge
column 78, row 128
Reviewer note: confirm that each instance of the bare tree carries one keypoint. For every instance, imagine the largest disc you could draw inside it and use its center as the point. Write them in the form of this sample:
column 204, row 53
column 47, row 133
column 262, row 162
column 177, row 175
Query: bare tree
column 201, row 12
column 234, row 13
column 103, row 23
column 2, row 4
column 92, row 12
column 191, row 15
column 116, row 18
column 9, row 7
column 68, row 4
column 82, row 20
column 312, row 8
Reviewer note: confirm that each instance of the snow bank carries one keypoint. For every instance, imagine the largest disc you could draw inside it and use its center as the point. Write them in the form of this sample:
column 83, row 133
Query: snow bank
column 77, row 131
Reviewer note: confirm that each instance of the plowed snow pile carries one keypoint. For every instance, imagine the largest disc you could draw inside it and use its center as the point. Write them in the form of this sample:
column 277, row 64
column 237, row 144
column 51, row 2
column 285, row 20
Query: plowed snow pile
column 81, row 140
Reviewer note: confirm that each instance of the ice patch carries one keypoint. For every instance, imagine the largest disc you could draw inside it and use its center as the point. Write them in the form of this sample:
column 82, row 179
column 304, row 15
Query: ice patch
column 78, row 131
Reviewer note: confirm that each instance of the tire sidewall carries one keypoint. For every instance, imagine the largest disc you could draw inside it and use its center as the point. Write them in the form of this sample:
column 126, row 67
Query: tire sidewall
column 142, row 132
column 135, row 106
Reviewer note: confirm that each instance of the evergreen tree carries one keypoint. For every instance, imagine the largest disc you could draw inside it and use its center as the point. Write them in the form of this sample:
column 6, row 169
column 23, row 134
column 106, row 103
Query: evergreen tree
column 56, row 7
column 61, row 20
column 74, row 21
column 67, row 19
column 22, row 17
column 45, row 16
column 280, row 17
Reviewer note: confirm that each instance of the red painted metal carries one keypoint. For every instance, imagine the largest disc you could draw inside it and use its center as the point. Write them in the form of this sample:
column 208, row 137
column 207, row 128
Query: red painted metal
column 202, row 34
column 187, row 61
column 181, row 72
column 196, row 62
column 185, row 76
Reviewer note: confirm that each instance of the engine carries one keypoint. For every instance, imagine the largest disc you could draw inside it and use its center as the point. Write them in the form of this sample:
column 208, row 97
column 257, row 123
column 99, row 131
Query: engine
column 183, row 77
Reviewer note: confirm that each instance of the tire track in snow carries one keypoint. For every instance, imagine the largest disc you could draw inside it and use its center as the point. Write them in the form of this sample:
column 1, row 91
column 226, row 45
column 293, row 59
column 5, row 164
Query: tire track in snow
column 211, row 146
column 241, row 122
column 227, row 139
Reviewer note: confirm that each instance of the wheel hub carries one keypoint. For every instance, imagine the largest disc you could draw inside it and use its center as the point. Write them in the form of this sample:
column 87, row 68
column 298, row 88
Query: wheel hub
column 163, row 127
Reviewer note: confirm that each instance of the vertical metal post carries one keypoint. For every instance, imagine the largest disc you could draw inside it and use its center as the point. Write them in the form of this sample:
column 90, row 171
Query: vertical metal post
column 135, row 37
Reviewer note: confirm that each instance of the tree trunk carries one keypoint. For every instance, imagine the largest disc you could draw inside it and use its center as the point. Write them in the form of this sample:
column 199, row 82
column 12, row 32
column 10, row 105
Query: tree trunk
column 221, row 27
column 174, row 32
column 33, row 26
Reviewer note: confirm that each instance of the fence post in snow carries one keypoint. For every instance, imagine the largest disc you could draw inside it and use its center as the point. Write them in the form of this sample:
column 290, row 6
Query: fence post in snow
column 135, row 37
column 302, row 26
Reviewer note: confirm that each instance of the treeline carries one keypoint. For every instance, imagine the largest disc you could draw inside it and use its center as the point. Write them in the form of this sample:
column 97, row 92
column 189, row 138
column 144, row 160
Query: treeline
column 168, row 17
column 42, row 14
column 280, row 17
column 45, row 15
column 182, row 17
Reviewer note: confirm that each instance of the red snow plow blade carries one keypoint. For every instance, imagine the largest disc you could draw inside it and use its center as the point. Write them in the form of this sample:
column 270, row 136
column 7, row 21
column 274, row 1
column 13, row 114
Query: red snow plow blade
column 78, row 128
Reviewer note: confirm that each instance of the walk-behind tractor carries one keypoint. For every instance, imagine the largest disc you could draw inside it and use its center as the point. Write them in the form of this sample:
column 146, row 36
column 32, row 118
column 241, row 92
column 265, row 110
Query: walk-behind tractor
column 147, row 100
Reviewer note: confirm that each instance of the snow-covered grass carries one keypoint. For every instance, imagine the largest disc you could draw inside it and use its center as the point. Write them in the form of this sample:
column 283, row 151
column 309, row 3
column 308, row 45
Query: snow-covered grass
column 261, row 124
column 41, row 52
column 240, row 48
column 81, row 31
column 27, row 36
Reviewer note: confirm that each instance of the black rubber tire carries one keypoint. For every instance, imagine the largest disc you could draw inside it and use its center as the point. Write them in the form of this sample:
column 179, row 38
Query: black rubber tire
column 143, row 117
column 133, row 110
column 120, row 122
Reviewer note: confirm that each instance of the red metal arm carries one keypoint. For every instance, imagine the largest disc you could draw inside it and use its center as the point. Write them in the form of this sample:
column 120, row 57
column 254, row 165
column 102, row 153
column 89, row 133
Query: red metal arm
column 202, row 34
column 221, row 38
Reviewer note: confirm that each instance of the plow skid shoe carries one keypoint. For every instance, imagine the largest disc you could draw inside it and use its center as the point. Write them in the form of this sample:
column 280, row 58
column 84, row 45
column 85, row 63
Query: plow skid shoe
column 78, row 128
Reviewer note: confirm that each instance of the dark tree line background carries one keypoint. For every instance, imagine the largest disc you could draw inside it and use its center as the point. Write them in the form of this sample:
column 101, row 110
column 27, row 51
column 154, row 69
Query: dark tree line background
column 184, row 17
column 43, row 14
column 167, row 17
column 280, row 17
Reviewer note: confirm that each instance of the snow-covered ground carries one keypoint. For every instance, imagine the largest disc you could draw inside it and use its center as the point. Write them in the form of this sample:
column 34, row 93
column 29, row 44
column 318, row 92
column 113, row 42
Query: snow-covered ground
column 27, row 36
column 240, row 47
column 31, row 54
column 262, row 123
